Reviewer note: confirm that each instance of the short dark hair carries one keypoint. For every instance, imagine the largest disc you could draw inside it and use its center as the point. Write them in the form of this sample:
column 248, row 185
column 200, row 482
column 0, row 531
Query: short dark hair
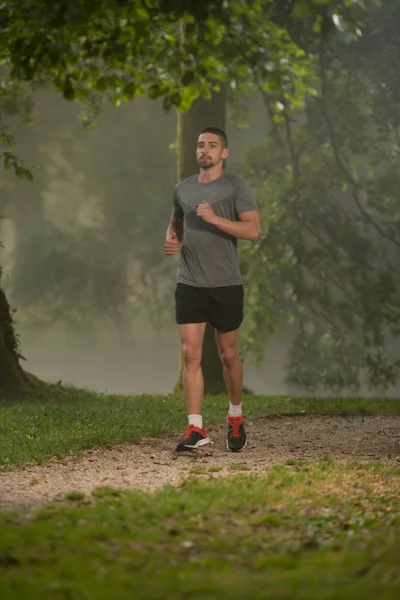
column 220, row 132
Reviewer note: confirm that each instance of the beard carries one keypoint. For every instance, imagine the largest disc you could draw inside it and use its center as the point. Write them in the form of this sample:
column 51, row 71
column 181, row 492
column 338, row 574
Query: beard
column 205, row 162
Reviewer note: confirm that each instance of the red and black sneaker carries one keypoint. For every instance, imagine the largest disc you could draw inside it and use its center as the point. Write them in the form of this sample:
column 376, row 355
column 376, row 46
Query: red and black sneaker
column 237, row 438
column 194, row 438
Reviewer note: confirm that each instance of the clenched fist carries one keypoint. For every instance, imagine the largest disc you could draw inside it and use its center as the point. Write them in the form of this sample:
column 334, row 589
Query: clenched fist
column 206, row 212
column 172, row 245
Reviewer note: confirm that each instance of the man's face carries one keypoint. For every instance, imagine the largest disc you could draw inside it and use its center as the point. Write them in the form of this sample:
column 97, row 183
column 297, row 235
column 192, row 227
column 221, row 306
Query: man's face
column 210, row 152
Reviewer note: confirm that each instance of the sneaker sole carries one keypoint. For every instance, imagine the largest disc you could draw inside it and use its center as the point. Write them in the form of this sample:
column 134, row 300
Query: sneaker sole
column 190, row 447
column 240, row 449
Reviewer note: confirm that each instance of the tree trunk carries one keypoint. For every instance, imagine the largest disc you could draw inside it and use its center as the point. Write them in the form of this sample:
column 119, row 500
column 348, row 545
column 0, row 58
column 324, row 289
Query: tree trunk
column 203, row 113
column 12, row 376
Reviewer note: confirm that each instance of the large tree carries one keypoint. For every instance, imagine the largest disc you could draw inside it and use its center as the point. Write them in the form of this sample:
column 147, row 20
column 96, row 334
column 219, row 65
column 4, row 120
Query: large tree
column 13, row 101
column 12, row 376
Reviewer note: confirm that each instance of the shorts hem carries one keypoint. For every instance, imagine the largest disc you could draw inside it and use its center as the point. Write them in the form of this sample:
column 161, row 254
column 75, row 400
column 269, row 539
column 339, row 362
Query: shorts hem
column 224, row 330
column 190, row 321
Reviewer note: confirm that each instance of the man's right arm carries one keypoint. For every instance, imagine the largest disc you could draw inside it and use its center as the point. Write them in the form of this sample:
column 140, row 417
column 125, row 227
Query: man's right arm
column 173, row 236
column 174, row 233
column 175, row 226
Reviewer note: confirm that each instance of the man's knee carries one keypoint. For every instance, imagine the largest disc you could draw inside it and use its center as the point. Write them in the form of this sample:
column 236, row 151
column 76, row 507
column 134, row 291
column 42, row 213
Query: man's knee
column 191, row 354
column 229, row 356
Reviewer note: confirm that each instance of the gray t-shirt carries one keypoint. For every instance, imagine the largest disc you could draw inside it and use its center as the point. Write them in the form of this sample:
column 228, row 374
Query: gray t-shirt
column 208, row 256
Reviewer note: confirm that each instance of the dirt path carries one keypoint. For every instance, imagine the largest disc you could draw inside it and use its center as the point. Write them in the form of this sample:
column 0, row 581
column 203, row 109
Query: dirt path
column 151, row 463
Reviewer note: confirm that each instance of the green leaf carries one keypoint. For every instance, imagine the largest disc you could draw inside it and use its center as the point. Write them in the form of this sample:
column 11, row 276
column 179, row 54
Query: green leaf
column 129, row 91
column 155, row 91
column 188, row 77
column 28, row 175
column 19, row 171
column 171, row 100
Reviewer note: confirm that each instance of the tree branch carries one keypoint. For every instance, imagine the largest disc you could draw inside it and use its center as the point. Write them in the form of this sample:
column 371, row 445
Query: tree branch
column 332, row 136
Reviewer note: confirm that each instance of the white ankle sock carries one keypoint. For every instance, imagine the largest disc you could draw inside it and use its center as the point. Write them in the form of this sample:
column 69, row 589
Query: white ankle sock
column 196, row 420
column 235, row 411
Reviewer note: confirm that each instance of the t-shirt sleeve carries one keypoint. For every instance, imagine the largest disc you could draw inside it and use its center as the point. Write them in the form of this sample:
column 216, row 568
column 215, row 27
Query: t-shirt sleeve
column 177, row 211
column 244, row 199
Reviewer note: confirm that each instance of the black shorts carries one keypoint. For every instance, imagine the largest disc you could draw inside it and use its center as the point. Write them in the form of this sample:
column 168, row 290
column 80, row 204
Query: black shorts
column 222, row 307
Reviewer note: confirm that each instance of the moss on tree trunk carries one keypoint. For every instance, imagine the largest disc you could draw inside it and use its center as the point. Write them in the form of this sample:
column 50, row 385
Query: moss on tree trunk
column 203, row 113
column 12, row 377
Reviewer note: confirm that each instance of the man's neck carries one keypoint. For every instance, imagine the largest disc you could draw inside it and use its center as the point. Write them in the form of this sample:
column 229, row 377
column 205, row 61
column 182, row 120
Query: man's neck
column 207, row 175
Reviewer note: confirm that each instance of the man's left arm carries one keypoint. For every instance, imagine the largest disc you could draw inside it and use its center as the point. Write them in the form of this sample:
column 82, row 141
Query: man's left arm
column 248, row 225
column 247, row 228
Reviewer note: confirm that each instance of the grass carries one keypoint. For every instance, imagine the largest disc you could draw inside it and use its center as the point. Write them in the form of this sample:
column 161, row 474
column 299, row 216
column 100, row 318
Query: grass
column 239, row 467
column 297, row 532
column 62, row 421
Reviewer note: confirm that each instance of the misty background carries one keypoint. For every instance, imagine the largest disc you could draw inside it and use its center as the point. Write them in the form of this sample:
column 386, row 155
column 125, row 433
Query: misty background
column 83, row 251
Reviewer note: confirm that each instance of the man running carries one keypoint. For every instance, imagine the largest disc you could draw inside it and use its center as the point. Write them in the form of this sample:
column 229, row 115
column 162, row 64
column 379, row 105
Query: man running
column 211, row 211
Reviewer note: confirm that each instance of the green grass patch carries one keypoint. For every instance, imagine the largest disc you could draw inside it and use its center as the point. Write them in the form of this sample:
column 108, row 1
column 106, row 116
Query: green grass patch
column 204, row 470
column 75, row 496
column 325, row 532
column 199, row 471
column 62, row 421
column 239, row 467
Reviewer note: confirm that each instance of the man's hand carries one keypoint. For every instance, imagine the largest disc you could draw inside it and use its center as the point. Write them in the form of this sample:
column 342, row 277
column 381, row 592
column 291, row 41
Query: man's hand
column 172, row 245
column 206, row 212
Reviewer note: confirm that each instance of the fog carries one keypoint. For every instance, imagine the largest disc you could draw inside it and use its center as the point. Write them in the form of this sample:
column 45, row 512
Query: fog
column 83, row 258
column 131, row 369
column 76, row 172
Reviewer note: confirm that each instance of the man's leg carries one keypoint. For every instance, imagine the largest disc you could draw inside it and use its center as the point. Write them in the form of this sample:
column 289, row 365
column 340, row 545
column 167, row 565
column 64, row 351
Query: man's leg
column 192, row 336
column 227, row 344
column 233, row 375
